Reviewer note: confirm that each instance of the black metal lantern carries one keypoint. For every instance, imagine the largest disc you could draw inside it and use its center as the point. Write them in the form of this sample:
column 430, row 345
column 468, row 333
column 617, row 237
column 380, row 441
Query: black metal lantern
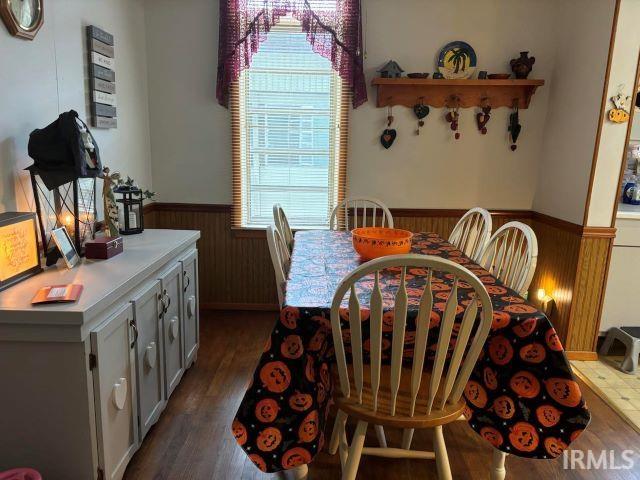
column 71, row 205
column 130, row 214
column 63, row 176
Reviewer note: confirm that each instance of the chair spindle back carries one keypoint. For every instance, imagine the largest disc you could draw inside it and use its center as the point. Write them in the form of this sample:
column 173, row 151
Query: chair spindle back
column 472, row 232
column 449, row 384
column 511, row 255
column 282, row 225
column 365, row 214
column 281, row 259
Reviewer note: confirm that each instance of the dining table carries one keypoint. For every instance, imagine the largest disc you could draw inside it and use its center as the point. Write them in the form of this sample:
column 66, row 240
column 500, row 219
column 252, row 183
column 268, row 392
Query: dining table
column 522, row 397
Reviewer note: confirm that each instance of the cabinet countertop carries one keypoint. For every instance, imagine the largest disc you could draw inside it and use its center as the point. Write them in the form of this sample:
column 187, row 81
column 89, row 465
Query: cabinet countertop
column 104, row 281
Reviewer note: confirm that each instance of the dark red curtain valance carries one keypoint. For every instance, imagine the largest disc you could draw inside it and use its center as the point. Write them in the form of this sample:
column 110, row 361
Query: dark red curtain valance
column 333, row 28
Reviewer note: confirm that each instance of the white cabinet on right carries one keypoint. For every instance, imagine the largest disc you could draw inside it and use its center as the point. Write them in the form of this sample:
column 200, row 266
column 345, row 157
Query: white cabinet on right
column 622, row 282
column 191, row 313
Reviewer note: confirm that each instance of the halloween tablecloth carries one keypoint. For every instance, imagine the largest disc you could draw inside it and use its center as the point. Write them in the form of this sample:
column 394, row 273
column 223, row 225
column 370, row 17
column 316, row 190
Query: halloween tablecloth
column 522, row 397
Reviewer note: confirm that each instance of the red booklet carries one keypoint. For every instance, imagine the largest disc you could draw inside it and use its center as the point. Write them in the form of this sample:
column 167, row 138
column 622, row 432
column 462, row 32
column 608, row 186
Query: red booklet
column 58, row 294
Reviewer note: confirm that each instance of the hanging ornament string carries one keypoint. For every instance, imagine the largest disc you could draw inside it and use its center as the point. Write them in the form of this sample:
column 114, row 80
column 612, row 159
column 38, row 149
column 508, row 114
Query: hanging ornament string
column 514, row 126
column 483, row 117
column 421, row 111
column 453, row 116
column 389, row 134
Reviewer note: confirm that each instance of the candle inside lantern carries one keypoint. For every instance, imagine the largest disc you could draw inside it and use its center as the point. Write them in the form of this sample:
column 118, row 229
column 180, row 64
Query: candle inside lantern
column 69, row 224
column 133, row 220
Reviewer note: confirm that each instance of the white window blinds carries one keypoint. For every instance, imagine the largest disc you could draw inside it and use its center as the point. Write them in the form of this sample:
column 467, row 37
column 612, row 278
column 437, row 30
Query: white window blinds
column 289, row 121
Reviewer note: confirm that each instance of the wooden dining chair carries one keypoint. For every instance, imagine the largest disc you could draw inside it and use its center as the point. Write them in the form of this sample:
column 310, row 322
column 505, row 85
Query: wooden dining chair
column 282, row 225
column 511, row 256
column 281, row 259
column 364, row 214
column 410, row 394
column 472, row 233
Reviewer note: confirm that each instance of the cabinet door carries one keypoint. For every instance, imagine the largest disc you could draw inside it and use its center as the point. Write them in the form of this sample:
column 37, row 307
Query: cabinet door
column 114, row 383
column 149, row 365
column 172, row 326
column 191, row 306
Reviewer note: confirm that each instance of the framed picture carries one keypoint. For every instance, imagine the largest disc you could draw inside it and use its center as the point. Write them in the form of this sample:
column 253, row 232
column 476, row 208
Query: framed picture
column 65, row 245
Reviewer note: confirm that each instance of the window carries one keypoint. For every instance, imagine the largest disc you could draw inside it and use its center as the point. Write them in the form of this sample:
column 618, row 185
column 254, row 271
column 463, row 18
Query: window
column 289, row 133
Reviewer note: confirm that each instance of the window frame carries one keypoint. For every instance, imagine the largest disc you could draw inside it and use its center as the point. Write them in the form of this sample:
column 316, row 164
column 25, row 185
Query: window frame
column 338, row 150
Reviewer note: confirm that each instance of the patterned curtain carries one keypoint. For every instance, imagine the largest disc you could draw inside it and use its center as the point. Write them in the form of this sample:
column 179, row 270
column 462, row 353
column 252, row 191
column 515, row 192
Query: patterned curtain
column 333, row 28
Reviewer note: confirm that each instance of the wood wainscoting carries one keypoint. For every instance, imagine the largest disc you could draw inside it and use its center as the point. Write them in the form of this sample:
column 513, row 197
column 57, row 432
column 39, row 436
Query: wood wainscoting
column 591, row 281
column 236, row 271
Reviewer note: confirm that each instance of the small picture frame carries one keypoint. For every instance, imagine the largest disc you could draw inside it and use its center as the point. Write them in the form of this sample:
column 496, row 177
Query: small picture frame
column 65, row 245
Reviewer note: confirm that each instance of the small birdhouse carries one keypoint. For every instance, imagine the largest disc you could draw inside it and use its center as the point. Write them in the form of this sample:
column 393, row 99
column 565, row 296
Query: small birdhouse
column 391, row 70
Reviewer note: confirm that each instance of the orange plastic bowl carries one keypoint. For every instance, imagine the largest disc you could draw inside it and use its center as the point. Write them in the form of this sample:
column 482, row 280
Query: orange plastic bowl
column 374, row 242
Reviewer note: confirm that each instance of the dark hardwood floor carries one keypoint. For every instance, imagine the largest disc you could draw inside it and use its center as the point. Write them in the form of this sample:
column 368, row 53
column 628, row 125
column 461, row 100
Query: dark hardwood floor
column 192, row 438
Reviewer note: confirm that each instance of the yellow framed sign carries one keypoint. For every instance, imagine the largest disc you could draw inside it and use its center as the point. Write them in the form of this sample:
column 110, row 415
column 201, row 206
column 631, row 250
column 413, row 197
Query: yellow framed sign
column 19, row 253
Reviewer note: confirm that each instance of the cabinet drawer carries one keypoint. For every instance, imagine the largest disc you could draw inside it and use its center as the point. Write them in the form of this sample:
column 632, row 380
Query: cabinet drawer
column 191, row 311
column 114, row 383
column 149, row 362
column 172, row 327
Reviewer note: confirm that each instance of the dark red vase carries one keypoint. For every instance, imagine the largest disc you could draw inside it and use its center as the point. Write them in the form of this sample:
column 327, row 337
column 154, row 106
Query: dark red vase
column 522, row 65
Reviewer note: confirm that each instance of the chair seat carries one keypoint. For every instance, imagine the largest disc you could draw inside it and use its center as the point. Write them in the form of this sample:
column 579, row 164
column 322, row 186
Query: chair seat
column 402, row 419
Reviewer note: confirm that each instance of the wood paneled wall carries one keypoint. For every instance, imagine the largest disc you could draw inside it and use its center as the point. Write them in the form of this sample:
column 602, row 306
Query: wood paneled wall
column 558, row 251
column 236, row 271
column 589, row 288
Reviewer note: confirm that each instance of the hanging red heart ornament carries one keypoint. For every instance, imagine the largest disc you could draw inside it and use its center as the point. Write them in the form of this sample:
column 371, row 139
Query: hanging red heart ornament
column 482, row 120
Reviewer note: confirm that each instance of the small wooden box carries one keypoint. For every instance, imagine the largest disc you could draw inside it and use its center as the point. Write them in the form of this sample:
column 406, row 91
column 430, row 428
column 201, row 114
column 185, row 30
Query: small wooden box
column 103, row 248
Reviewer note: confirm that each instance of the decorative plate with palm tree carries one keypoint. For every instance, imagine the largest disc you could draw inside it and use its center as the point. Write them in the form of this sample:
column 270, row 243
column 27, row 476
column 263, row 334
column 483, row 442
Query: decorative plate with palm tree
column 457, row 60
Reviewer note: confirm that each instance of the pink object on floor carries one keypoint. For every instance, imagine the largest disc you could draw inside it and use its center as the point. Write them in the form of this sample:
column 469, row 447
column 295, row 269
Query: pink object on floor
column 20, row 474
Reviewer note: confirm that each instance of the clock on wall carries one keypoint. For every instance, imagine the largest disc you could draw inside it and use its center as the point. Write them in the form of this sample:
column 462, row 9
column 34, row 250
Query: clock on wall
column 23, row 18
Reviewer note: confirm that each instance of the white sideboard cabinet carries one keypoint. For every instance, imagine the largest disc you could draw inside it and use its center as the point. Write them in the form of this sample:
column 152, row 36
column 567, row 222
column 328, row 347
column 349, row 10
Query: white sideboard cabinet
column 82, row 383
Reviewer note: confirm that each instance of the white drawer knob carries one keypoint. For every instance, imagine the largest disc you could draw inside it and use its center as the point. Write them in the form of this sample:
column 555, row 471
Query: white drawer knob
column 191, row 306
column 150, row 355
column 120, row 393
column 173, row 328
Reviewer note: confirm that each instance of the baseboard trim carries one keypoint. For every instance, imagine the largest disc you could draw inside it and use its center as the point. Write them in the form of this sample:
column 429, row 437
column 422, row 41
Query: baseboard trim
column 257, row 307
column 584, row 356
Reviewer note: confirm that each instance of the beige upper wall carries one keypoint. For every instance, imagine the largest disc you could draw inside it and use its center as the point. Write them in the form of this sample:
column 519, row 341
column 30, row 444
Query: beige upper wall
column 190, row 140
column 433, row 170
column 582, row 31
column 41, row 78
column 190, row 132
column 613, row 138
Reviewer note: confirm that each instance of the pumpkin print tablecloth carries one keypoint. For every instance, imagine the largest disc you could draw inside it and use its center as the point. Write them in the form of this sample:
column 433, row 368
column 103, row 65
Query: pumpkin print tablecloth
column 522, row 397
